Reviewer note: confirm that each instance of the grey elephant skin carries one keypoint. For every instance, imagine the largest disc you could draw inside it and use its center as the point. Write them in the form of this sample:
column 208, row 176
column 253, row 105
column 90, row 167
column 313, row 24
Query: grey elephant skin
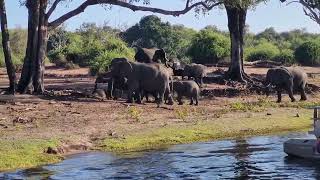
column 143, row 77
column 287, row 78
column 188, row 89
column 146, row 55
column 197, row 71
column 114, row 82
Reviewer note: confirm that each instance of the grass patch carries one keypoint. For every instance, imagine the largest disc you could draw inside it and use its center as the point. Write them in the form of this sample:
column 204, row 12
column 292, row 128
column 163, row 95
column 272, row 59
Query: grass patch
column 263, row 104
column 217, row 129
column 25, row 153
column 134, row 113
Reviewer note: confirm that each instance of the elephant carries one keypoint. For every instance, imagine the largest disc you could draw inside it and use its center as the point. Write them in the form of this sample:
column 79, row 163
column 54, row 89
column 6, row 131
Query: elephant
column 143, row 77
column 186, row 88
column 114, row 83
column 286, row 78
column 177, row 67
column 145, row 55
column 197, row 71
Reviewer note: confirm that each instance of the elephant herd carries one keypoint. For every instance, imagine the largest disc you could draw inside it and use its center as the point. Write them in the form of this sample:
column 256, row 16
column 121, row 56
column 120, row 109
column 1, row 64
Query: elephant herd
column 152, row 74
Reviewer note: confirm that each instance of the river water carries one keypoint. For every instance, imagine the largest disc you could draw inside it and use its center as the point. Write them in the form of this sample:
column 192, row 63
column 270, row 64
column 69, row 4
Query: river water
column 252, row 158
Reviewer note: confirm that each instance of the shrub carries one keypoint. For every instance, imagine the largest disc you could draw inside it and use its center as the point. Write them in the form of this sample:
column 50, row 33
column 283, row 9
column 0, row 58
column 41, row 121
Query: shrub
column 263, row 51
column 308, row 53
column 286, row 56
column 59, row 59
column 102, row 61
column 209, row 47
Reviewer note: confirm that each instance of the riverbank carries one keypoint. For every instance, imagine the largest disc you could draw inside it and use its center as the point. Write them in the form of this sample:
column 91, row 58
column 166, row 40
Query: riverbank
column 67, row 121
column 136, row 130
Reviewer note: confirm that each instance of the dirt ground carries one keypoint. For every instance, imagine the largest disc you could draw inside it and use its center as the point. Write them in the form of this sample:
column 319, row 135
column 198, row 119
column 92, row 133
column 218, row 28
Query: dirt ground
column 75, row 119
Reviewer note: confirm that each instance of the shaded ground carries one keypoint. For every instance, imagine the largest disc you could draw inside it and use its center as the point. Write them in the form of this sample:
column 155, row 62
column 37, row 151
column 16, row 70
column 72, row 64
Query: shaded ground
column 80, row 122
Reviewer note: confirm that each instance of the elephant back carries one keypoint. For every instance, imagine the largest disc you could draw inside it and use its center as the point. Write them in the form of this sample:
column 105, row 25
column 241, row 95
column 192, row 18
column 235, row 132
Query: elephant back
column 144, row 54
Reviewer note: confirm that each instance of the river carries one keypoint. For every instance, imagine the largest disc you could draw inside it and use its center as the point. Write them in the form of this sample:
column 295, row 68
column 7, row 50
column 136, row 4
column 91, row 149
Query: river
column 252, row 158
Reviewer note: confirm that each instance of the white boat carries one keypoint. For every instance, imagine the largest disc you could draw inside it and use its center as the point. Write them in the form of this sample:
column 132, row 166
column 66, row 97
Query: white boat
column 305, row 148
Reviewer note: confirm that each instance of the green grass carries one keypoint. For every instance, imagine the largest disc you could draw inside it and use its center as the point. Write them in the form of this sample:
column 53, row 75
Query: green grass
column 262, row 104
column 16, row 154
column 216, row 129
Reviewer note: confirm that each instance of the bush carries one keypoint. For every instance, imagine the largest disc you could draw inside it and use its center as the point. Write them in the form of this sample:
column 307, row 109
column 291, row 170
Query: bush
column 286, row 56
column 308, row 53
column 263, row 51
column 209, row 47
column 101, row 62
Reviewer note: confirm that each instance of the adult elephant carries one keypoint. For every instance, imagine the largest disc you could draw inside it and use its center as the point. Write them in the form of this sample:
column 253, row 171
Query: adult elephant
column 143, row 77
column 197, row 71
column 146, row 55
column 286, row 78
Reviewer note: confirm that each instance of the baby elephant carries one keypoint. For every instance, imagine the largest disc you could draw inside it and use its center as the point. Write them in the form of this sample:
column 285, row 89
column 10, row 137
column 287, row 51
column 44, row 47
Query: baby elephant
column 188, row 89
column 287, row 78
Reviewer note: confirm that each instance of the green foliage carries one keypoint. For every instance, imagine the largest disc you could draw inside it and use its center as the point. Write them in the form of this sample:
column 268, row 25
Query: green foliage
column 152, row 32
column 90, row 46
column 209, row 47
column 308, row 53
column 263, row 51
column 286, row 56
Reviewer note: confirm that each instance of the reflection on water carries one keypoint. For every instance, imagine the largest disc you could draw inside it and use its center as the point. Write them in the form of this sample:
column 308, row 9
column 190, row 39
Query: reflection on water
column 253, row 158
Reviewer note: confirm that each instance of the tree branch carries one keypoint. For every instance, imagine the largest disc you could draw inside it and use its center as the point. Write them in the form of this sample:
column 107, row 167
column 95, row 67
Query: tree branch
column 53, row 7
column 124, row 4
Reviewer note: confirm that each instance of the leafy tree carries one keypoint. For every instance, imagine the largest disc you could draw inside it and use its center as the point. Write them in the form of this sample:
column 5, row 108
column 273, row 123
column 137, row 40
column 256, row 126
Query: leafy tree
column 209, row 47
column 152, row 32
column 285, row 56
column 308, row 53
column 263, row 51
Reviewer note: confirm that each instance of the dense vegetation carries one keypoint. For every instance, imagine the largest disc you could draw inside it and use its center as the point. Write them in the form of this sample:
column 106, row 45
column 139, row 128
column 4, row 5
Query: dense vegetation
column 95, row 46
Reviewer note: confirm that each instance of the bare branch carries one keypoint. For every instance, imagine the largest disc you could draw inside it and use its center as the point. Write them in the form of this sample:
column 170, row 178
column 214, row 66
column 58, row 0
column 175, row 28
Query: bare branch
column 312, row 13
column 124, row 4
column 53, row 7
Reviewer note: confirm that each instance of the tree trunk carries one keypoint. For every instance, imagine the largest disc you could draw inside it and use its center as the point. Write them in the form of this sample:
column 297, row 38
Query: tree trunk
column 6, row 48
column 31, row 80
column 236, row 25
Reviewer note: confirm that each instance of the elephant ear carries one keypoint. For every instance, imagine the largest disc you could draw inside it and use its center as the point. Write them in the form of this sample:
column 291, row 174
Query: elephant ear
column 125, row 69
column 160, row 54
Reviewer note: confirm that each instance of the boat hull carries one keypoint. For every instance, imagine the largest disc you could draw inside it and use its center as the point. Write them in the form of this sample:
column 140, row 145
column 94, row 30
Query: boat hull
column 303, row 148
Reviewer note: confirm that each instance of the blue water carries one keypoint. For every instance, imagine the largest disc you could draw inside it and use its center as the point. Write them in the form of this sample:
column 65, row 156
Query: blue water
column 252, row 158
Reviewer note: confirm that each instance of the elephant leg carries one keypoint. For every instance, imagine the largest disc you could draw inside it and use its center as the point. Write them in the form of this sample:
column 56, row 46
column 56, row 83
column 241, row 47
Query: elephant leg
column 303, row 94
column 196, row 98
column 160, row 99
column 191, row 100
column 279, row 95
column 290, row 93
column 130, row 96
column 289, row 87
column 179, row 98
column 110, row 89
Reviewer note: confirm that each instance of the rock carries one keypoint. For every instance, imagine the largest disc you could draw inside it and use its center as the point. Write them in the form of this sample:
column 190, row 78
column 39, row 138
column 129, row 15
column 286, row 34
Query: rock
column 18, row 104
column 21, row 120
column 67, row 103
column 4, row 126
column 52, row 102
column 51, row 150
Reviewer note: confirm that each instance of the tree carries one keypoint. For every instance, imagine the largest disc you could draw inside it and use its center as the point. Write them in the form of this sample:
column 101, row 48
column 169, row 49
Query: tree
column 311, row 8
column 6, row 48
column 209, row 46
column 38, row 25
column 237, row 12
